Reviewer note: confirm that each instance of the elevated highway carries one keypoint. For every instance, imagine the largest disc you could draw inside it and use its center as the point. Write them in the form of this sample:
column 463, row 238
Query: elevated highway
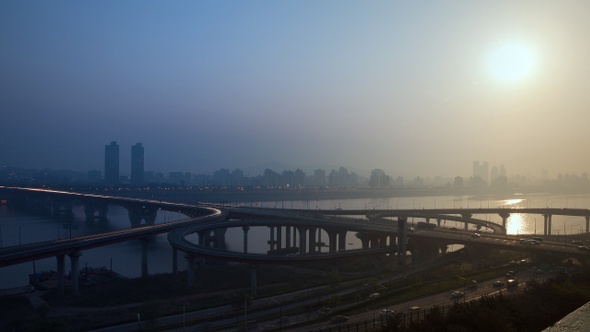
column 295, row 235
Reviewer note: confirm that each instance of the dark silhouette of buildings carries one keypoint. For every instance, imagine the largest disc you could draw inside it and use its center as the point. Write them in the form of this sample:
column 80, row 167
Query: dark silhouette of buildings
column 137, row 166
column 111, row 163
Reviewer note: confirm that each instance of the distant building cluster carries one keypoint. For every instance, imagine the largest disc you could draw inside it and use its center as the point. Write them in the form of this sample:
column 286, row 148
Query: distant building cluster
column 482, row 177
column 111, row 166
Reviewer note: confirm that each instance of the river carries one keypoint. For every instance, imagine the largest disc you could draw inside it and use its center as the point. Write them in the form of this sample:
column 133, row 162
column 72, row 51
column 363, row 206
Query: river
column 19, row 228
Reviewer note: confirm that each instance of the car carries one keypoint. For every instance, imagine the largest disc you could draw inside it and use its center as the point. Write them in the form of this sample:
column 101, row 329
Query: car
column 386, row 312
column 414, row 308
column 339, row 319
column 324, row 311
column 538, row 238
column 476, row 235
column 457, row 294
column 472, row 284
column 577, row 242
column 510, row 274
column 512, row 282
column 583, row 248
column 374, row 295
column 498, row 283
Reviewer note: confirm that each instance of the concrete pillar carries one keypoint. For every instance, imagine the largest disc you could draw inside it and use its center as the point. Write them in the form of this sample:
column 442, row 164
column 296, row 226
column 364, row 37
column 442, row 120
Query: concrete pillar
column 504, row 216
column 312, row 244
column 438, row 223
column 288, row 237
column 272, row 242
column 254, row 279
column 342, row 240
column 60, row 275
column 466, row 216
column 190, row 270
column 302, row 240
column 74, row 280
column 245, row 229
column 587, row 224
column 549, row 224
column 319, row 241
column 144, row 257
column 545, row 224
column 279, row 238
column 402, row 229
column 332, row 240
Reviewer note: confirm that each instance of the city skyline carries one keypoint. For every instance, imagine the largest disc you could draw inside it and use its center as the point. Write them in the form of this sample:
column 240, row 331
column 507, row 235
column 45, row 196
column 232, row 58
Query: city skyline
column 414, row 89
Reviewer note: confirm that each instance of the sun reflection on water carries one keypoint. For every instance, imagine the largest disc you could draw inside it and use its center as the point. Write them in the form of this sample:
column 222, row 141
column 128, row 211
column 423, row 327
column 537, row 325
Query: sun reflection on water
column 516, row 224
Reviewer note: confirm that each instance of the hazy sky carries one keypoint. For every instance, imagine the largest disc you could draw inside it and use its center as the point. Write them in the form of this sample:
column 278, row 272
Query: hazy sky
column 405, row 86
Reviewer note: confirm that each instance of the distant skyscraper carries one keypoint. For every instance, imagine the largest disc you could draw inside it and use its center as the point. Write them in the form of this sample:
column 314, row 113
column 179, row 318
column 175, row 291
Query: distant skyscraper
column 111, row 163
column 137, row 170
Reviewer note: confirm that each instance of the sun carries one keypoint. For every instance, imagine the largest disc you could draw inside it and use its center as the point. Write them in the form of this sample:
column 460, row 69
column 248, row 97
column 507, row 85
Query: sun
column 511, row 62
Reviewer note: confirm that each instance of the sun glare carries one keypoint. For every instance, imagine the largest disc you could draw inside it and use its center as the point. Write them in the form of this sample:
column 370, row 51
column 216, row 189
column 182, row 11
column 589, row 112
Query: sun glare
column 511, row 62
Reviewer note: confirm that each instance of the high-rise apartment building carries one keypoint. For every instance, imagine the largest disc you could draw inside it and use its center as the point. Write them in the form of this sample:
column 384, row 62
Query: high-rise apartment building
column 137, row 168
column 111, row 163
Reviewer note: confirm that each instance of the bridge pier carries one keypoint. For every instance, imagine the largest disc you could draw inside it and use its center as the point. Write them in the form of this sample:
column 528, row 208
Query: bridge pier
column 138, row 213
column 312, row 242
column 245, row 229
column 342, row 240
column 402, row 231
column 587, row 224
column 504, row 216
column 272, row 242
column 332, row 236
column 61, row 207
column 547, row 224
column 466, row 216
column 92, row 207
column 74, row 280
column 287, row 237
column 302, row 240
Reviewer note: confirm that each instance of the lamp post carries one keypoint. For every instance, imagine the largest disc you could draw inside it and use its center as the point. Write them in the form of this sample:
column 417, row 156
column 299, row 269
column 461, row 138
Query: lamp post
column 280, row 314
column 465, row 289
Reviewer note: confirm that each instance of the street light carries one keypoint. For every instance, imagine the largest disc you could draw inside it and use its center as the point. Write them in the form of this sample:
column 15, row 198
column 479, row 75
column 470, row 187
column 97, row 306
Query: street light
column 464, row 290
column 280, row 314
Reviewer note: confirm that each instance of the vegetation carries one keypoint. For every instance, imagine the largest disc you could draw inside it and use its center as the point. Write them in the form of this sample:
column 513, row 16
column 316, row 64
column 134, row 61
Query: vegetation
column 539, row 307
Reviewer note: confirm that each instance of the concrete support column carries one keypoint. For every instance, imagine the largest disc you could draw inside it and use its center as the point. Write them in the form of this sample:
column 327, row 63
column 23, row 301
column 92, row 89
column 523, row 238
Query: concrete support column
column 312, row 244
column 319, row 241
column 144, row 257
column 302, row 240
column 332, row 237
column 245, row 229
column 279, row 238
column 272, row 242
column 174, row 261
column 504, row 216
column 342, row 240
column 402, row 229
column 288, row 237
column 587, row 224
column 60, row 275
column 365, row 242
column 74, row 280
column 190, row 270
column 466, row 216
column 545, row 224
column 254, row 279
column 438, row 223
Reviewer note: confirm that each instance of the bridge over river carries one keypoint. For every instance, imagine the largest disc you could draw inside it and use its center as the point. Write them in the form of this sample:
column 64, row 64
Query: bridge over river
column 295, row 236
